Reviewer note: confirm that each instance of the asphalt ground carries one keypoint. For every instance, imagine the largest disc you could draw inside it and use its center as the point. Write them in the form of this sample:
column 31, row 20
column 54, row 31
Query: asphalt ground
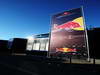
column 32, row 65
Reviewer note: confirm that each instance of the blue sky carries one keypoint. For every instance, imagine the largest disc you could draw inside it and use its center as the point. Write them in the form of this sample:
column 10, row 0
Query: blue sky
column 22, row 18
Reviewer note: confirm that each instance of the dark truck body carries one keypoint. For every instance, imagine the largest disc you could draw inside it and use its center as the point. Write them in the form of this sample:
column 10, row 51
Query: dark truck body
column 4, row 47
column 17, row 45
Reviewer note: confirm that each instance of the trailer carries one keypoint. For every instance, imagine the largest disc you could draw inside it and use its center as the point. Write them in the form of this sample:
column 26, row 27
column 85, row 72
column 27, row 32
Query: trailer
column 4, row 47
column 17, row 45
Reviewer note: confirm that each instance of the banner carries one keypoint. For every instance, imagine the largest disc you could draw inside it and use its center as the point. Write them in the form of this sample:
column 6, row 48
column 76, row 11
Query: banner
column 68, row 35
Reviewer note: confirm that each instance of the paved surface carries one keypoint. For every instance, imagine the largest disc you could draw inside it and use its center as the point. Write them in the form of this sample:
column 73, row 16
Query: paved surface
column 30, row 65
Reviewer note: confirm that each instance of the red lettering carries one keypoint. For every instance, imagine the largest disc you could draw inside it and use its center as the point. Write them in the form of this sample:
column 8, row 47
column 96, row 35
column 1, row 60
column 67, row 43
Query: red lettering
column 68, row 25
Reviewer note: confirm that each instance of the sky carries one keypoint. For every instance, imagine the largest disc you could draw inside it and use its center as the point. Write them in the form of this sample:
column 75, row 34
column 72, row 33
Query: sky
column 23, row 18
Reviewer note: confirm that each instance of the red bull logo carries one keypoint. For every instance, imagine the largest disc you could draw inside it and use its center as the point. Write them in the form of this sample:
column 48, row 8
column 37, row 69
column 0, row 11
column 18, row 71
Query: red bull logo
column 69, row 25
column 66, row 50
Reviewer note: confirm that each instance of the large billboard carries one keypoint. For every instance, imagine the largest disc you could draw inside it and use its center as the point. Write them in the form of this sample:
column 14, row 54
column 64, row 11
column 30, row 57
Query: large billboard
column 68, row 35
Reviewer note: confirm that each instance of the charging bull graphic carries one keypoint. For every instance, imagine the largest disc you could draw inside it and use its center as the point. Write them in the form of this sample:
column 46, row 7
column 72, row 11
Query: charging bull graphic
column 68, row 34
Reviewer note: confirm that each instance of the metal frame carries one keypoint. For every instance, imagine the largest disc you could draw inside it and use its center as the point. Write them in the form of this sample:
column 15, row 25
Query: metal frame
column 87, row 44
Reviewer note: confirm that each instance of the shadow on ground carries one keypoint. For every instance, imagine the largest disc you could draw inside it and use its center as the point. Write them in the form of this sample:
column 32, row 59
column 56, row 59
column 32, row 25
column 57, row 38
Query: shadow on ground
column 30, row 65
